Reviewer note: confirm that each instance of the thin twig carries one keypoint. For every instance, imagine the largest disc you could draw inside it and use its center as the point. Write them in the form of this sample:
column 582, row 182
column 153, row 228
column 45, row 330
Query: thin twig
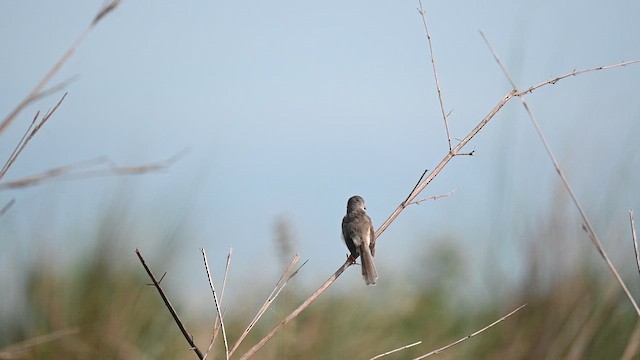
column 414, row 188
column 215, row 300
column 396, row 350
column 634, row 237
column 585, row 219
column 37, row 91
column 282, row 282
column 435, row 197
column 438, row 351
column 435, row 72
column 226, row 272
column 167, row 303
column 18, row 147
column 297, row 311
column 574, row 73
column 7, row 206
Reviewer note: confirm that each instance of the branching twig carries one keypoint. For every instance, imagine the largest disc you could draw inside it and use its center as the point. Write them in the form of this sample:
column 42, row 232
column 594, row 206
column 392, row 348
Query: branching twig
column 297, row 311
column 215, row 300
column 282, row 282
column 445, row 116
column 28, row 135
column 634, row 237
column 438, row 351
column 396, row 350
column 167, row 303
column 38, row 91
column 587, row 223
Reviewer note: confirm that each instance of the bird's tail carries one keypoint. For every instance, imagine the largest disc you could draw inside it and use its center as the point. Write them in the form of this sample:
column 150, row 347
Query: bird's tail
column 369, row 272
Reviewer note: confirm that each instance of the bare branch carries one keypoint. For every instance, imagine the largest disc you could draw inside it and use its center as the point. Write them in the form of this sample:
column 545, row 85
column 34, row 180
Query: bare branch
column 167, row 303
column 574, row 73
column 438, row 351
column 587, row 223
column 396, row 350
column 215, row 300
column 445, row 116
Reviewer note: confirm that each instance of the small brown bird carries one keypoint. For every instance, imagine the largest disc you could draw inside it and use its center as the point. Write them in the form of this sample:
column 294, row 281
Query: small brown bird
column 357, row 230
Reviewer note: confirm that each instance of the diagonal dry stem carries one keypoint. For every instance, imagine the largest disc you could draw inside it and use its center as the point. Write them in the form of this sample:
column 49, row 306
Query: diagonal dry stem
column 7, row 206
column 297, row 311
column 585, row 219
column 438, row 351
column 282, row 282
column 31, row 131
column 217, row 304
column 167, row 303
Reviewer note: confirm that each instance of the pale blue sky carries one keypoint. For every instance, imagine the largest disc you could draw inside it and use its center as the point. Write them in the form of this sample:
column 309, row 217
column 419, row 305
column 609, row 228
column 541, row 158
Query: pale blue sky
column 289, row 108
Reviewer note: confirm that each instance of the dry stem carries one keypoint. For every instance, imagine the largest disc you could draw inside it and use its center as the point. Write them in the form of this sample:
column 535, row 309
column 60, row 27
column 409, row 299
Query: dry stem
column 435, row 72
column 167, row 303
column 297, row 311
column 28, row 135
column 215, row 300
column 438, row 351
column 7, row 206
column 282, row 282
column 396, row 350
column 634, row 237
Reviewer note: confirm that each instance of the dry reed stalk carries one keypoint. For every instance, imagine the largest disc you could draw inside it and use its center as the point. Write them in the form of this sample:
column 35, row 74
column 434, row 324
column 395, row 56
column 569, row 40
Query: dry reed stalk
column 217, row 305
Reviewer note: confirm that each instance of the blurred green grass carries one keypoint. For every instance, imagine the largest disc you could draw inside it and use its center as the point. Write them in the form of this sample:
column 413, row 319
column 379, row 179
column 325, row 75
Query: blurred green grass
column 113, row 314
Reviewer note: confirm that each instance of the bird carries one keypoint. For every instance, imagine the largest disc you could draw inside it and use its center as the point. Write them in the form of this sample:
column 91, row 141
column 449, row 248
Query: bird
column 358, row 234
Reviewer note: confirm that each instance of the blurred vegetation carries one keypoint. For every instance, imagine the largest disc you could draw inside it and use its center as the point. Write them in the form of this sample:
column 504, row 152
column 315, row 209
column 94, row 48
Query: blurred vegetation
column 107, row 311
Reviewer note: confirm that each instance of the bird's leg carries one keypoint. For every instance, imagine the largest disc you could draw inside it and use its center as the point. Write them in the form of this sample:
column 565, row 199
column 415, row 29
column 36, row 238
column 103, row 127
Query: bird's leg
column 352, row 259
